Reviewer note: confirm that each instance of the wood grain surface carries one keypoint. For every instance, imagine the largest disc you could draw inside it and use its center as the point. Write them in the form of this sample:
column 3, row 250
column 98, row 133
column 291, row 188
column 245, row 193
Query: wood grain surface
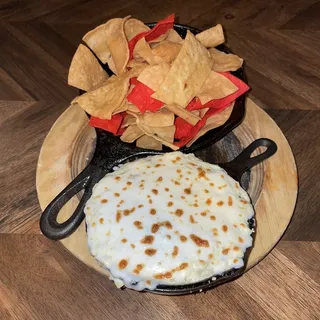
column 39, row 278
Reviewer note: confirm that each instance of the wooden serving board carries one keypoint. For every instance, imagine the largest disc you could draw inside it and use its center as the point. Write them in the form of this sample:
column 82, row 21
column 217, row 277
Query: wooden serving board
column 272, row 185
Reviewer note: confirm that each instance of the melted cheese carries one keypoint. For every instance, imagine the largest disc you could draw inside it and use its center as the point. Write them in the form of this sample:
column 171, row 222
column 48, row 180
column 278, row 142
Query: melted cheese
column 169, row 219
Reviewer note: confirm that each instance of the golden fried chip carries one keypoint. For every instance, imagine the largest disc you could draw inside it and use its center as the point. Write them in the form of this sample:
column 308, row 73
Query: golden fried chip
column 163, row 134
column 188, row 73
column 96, row 41
column 223, row 62
column 213, row 122
column 117, row 43
column 211, row 37
column 102, row 102
column 167, row 50
column 173, row 36
column 85, row 71
column 123, row 107
column 138, row 62
column 133, row 108
column 216, row 86
column 132, row 27
column 131, row 134
column 183, row 113
column 152, row 76
column 143, row 50
column 147, row 142
column 162, row 118
column 129, row 120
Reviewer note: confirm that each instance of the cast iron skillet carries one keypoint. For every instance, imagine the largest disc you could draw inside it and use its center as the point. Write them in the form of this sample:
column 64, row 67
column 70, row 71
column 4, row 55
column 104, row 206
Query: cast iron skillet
column 111, row 151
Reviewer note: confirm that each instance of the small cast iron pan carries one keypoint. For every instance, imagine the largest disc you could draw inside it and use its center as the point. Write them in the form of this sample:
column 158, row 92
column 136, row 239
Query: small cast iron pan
column 111, row 151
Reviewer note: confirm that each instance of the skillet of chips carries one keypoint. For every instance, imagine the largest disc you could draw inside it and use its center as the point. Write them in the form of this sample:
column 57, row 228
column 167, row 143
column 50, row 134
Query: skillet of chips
column 156, row 72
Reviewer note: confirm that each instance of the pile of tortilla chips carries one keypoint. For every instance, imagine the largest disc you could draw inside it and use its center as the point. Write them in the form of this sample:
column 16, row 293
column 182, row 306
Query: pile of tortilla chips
column 165, row 90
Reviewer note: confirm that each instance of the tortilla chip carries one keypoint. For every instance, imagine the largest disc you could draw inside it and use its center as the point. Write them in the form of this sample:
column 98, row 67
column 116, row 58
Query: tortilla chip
column 143, row 50
column 167, row 51
column 85, row 71
column 184, row 114
column 216, row 87
column 131, row 134
column 102, row 102
column 188, row 73
column 96, row 41
column 163, row 134
column 173, row 36
column 133, row 108
column 162, row 118
column 213, row 122
column 147, row 142
column 211, row 37
column 132, row 27
column 138, row 62
column 129, row 120
column 152, row 76
column 223, row 62
column 117, row 43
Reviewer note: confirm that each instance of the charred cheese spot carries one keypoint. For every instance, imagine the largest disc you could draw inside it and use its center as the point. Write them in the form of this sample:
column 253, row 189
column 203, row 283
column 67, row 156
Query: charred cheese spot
column 124, row 189
column 150, row 201
column 225, row 251
column 178, row 158
column 203, row 213
column 93, row 224
column 161, row 276
column 168, row 225
column 244, row 201
column 242, row 225
column 175, row 251
column 117, row 178
column 210, row 256
column 171, row 195
column 124, row 240
column 170, row 204
column 195, row 205
column 224, row 228
column 140, row 206
column 236, row 185
column 154, row 191
column 198, row 241
column 183, row 238
column 132, row 245
column 116, row 194
column 126, row 212
column 182, row 197
column 202, row 261
column 181, row 267
column 153, row 211
column 166, row 189
column 215, row 232
column 229, row 201
column 168, row 236
column 123, row 264
column 150, row 252
column 179, row 212
column 129, row 183
column 155, row 227
column 138, row 224
column 191, row 219
column 138, row 268
column 223, row 186
column 240, row 240
column 178, row 171
column 235, row 226
column 104, row 200
column 211, row 184
column 199, row 251
column 235, row 261
column 213, row 218
column 101, row 220
column 236, row 248
column 118, row 216
column 159, row 179
column 220, row 203
column 187, row 190
column 222, row 176
column 158, row 165
column 147, row 240
column 208, row 201
column 202, row 174
column 148, row 282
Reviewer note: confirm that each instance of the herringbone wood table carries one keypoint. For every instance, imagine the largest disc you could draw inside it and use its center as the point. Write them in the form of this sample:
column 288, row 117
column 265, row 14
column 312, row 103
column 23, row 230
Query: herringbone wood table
column 39, row 279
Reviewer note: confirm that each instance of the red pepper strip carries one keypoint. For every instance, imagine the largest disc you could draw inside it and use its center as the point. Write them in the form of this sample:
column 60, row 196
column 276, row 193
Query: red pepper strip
column 160, row 28
column 219, row 103
column 141, row 97
column 187, row 132
column 112, row 125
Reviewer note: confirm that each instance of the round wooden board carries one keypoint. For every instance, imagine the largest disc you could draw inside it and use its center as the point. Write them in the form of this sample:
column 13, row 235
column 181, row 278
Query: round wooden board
column 272, row 185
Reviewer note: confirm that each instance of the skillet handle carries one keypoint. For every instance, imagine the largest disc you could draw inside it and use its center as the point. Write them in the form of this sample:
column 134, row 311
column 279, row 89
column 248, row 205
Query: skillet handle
column 48, row 222
column 243, row 162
